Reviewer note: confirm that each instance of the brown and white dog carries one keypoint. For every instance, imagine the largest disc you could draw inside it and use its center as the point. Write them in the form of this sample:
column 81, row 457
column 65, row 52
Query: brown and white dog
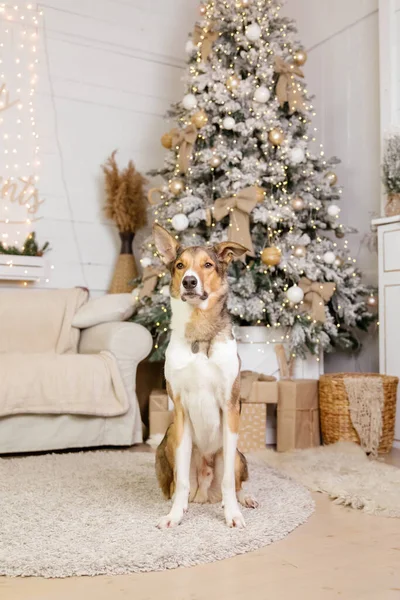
column 197, row 460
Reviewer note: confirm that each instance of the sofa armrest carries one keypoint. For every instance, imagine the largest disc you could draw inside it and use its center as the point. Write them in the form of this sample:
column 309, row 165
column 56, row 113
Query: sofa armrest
column 126, row 341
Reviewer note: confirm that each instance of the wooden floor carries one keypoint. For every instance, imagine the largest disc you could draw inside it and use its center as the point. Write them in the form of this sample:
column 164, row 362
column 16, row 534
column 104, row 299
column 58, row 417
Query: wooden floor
column 339, row 553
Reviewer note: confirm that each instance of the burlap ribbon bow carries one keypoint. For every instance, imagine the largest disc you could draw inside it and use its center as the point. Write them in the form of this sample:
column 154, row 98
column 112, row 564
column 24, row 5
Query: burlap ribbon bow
column 286, row 88
column 149, row 281
column 238, row 208
column 185, row 139
column 206, row 38
column 316, row 294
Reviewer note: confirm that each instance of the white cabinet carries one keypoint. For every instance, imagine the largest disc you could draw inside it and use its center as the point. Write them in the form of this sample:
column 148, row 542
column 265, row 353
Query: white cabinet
column 389, row 302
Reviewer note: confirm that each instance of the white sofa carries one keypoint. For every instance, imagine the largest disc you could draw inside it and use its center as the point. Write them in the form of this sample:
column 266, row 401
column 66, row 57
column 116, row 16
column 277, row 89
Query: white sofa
column 64, row 384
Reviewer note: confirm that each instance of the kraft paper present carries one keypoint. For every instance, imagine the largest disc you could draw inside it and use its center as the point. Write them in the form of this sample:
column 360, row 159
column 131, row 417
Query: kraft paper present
column 158, row 401
column 258, row 388
column 160, row 420
column 252, row 428
column 298, row 415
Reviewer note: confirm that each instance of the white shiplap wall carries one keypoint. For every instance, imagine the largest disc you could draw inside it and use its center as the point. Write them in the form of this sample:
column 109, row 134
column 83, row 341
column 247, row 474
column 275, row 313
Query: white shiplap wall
column 108, row 71
column 342, row 39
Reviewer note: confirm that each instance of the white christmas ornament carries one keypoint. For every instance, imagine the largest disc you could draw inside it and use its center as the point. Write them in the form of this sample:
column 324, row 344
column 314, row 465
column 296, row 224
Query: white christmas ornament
column 329, row 258
column 189, row 101
column 228, row 123
column 295, row 294
column 190, row 47
column 165, row 290
column 180, row 222
column 253, row 32
column 333, row 210
column 296, row 156
column 262, row 94
column 145, row 262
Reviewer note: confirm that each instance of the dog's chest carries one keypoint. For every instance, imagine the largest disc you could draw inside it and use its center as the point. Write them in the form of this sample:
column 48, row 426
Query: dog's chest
column 203, row 384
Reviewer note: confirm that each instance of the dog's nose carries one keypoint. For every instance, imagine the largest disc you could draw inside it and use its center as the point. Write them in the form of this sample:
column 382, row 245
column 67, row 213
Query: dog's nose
column 189, row 282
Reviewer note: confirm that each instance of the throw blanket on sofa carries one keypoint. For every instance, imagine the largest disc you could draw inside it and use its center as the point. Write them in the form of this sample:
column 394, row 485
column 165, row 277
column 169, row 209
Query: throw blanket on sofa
column 85, row 384
column 40, row 369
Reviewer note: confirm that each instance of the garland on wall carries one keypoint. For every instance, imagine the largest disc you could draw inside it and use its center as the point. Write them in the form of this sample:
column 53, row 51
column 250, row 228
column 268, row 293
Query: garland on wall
column 20, row 200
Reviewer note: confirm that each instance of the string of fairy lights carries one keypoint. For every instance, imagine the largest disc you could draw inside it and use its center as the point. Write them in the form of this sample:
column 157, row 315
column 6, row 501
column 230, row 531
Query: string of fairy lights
column 20, row 164
column 266, row 117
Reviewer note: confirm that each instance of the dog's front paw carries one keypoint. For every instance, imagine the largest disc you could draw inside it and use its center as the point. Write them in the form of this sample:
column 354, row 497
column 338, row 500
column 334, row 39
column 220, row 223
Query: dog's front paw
column 234, row 518
column 171, row 520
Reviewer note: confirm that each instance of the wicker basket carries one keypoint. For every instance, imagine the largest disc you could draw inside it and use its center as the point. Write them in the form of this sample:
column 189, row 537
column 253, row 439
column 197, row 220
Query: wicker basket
column 335, row 411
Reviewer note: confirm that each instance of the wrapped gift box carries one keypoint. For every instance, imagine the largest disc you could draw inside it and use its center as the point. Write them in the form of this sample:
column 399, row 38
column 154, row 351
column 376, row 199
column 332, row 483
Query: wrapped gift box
column 160, row 418
column 257, row 388
column 253, row 424
column 158, row 401
column 298, row 414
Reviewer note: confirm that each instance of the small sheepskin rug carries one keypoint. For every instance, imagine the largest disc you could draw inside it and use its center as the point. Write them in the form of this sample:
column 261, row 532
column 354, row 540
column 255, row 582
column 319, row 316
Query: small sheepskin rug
column 92, row 513
column 346, row 474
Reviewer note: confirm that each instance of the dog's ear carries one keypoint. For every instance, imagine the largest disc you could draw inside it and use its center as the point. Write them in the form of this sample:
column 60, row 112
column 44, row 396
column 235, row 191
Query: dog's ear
column 227, row 251
column 165, row 243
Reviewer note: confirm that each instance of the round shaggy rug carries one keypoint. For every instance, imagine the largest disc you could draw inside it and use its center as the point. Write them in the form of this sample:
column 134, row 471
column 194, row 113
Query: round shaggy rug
column 94, row 513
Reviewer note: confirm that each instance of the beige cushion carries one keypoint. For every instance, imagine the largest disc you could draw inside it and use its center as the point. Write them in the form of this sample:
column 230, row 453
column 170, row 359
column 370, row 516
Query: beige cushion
column 106, row 309
column 40, row 321
column 89, row 384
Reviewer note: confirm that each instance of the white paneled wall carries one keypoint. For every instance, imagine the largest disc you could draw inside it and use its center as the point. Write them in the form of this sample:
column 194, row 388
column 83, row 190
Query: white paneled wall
column 342, row 40
column 109, row 70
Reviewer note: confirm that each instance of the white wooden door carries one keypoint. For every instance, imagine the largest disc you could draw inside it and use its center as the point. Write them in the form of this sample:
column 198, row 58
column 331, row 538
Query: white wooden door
column 389, row 306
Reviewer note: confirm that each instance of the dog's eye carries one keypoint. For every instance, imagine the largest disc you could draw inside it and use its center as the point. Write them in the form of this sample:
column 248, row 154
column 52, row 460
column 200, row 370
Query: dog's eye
column 208, row 265
column 180, row 266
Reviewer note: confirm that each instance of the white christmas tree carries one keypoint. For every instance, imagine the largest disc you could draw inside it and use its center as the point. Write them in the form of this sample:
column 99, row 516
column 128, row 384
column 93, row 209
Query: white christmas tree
column 243, row 164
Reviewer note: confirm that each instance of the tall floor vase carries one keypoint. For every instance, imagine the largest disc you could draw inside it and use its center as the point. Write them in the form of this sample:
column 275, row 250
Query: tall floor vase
column 125, row 270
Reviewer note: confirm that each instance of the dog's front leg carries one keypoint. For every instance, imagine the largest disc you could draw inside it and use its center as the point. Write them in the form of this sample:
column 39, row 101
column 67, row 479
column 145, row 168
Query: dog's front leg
column 183, row 455
column 233, row 516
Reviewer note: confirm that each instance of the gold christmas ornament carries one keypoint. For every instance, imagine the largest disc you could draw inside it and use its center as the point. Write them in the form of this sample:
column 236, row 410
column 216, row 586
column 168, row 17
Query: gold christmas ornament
column 339, row 233
column 297, row 203
column 299, row 251
column 166, row 140
column 372, row 301
column 242, row 4
column 215, row 161
column 276, row 137
column 331, row 177
column 338, row 262
column 300, row 57
column 199, row 119
column 176, row 186
column 232, row 83
column 260, row 194
column 271, row 256
column 202, row 9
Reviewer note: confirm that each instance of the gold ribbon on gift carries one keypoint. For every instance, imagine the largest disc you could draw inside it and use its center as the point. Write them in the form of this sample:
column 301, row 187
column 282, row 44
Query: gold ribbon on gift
column 185, row 139
column 149, row 281
column 247, row 378
column 286, row 88
column 206, row 38
column 316, row 294
column 238, row 207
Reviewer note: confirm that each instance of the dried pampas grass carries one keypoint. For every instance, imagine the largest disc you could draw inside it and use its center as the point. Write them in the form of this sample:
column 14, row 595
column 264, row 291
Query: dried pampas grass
column 125, row 199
